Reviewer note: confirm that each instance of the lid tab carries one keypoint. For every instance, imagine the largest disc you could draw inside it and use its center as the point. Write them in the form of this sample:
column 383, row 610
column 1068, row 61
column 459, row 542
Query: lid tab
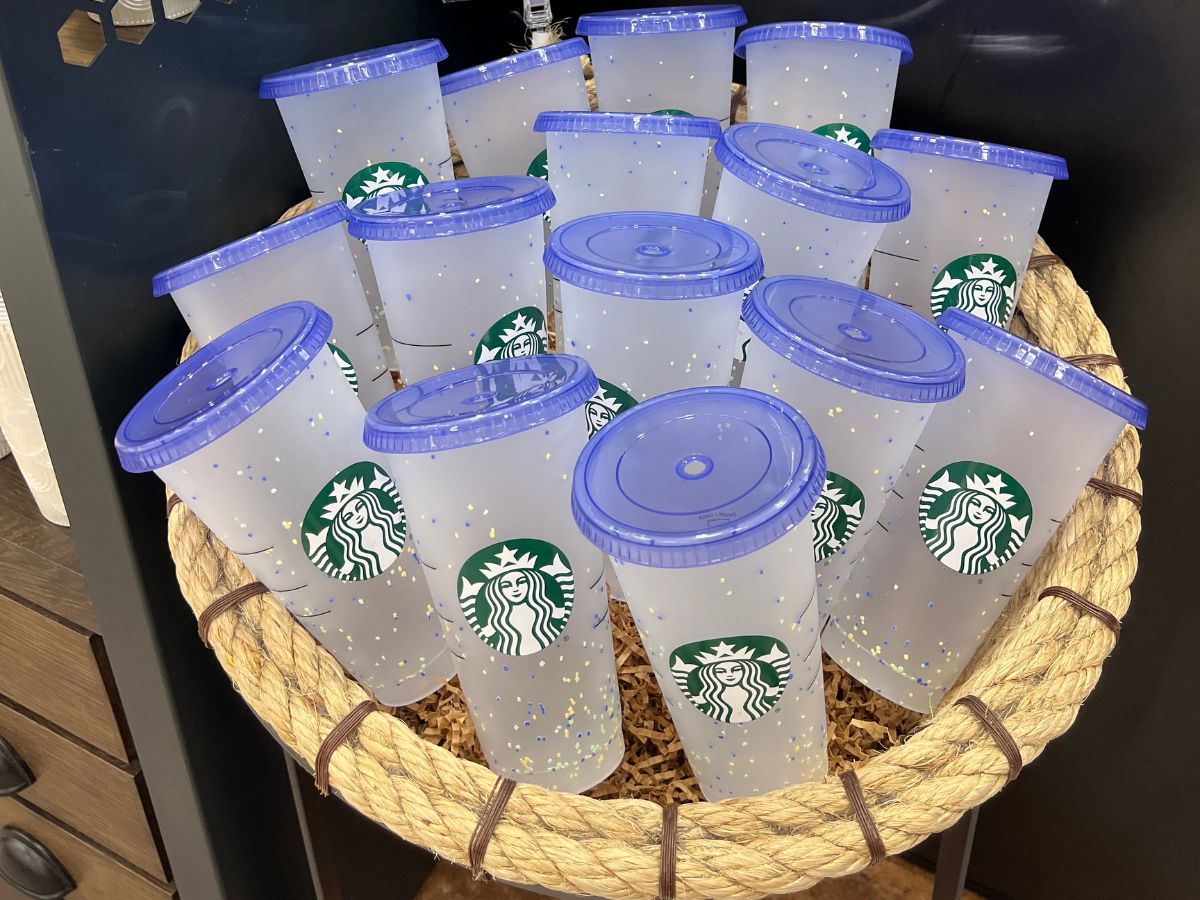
column 856, row 339
column 352, row 68
column 825, row 31
column 974, row 151
column 661, row 20
column 653, row 256
column 516, row 64
column 627, row 123
column 697, row 477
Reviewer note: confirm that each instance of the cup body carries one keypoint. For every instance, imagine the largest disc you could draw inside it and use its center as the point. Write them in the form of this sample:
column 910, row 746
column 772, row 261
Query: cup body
column 314, row 516
column 967, row 241
column 650, row 347
column 995, row 471
column 443, row 295
column 336, row 133
column 689, row 71
column 813, row 84
column 604, row 172
column 492, row 122
column 540, row 683
column 766, row 729
column 317, row 267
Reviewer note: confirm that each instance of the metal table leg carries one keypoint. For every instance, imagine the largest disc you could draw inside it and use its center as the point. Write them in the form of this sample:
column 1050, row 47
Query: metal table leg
column 954, row 855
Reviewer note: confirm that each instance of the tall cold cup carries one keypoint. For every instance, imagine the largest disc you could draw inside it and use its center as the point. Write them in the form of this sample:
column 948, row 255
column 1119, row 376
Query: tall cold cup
column 702, row 498
column 976, row 212
column 487, row 452
column 995, row 472
column 866, row 374
column 260, row 435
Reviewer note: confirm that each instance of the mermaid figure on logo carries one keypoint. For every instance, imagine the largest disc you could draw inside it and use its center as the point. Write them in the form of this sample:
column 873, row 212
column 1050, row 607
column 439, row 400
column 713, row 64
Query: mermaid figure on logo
column 365, row 533
column 356, row 528
column 735, row 690
column 523, row 617
column 967, row 534
column 736, row 679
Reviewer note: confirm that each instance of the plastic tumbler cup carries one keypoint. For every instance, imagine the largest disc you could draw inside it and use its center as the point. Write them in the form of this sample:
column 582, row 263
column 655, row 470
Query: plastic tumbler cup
column 995, row 471
column 702, row 499
column 303, row 258
column 354, row 113
column 491, row 108
column 607, row 162
column 652, row 299
column 668, row 59
column 487, row 452
column 816, row 207
column 460, row 270
column 866, row 374
column 261, row 436
column 976, row 211
column 831, row 78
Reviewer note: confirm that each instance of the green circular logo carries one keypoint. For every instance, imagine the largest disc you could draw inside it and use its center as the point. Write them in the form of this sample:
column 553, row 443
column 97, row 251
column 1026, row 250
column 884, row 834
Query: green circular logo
column 517, row 595
column 671, row 112
column 836, row 515
column 733, row 679
column 519, row 333
column 540, row 167
column 355, row 528
column 381, row 178
column 345, row 365
column 982, row 284
column 844, row 133
column 604, row 406
column 974, row 517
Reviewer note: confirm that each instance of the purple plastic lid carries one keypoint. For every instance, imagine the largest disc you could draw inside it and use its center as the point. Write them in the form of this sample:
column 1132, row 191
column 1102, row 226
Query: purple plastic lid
column 443, row 208
column 222, row 385
column 247, row 248
column 697, row 477
column 1046, row 364
column 825, row 31
column 517, row 63
column 661, row 20
column 855, row 338
column 974, row 151
column 813, row 172
column 353, row 68
column 587, row 122
column 481, row 403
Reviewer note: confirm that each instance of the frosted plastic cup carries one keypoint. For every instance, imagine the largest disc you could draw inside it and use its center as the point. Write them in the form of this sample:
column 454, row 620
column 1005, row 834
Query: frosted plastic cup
column 607, row 162
column 487, row 451
column 994, row 473
column 652, row 299
column 261, row 436
column 667, row 59
column 976, row 212
column 702, row 500
column 305, row 257
column 491, row 108
column 831, row 78
column 358, row 111
column 866, row 374
column 460, row 270
column 816, row 207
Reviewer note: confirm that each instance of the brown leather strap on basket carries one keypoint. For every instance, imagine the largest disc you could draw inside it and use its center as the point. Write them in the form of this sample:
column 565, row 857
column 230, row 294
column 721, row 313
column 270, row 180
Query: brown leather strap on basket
column 1084, row 605
column 172, row 502
column 992, row 725
column 862, row 815
column 222, row 605
column 1044, row 260
column 1117, row 490
column 502, row 790
column 337, row 737
column 667, row 853
column 1093, row 359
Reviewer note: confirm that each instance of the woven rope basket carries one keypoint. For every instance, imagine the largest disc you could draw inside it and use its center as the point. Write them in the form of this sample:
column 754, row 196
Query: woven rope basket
column 1041, row 662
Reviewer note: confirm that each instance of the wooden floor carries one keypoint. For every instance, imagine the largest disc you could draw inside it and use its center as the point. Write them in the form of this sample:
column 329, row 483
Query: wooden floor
column 895, row 879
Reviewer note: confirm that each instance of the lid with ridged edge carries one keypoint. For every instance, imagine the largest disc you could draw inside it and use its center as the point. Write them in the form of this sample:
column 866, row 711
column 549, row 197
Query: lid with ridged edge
column 516, row 64
column 222, row 385
column 661, row 20
column 825, row 31
column 1030, row 161
column 352, row 68
column 587, row 122
column 697, row 477
column 445, row 208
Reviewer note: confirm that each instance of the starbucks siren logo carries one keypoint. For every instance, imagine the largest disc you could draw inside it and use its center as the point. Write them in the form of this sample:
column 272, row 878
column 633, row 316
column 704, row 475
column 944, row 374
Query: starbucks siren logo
column 604, row 405
column 517, row 595
column 520, row 333
column 733, row 679
column 982, row 284
column 843, row 133
column 355, row 527
column 382, row 178
column 345, row 365
column 836, row 515
column 671, row 112
column 974, row 517
column 540, row 167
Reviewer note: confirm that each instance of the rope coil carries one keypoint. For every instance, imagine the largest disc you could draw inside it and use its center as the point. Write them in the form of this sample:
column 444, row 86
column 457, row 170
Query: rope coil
column 493, row 809
column 1084, row 605
column 337, row 737
column 862, row 815
column 1000, row 734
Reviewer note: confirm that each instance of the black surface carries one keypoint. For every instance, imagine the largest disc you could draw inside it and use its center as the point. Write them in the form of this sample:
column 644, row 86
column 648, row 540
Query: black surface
column 161, row 151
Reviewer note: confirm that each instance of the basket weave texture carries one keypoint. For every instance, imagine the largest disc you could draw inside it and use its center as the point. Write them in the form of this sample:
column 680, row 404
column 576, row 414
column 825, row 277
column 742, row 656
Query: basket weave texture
column 1041, row 662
